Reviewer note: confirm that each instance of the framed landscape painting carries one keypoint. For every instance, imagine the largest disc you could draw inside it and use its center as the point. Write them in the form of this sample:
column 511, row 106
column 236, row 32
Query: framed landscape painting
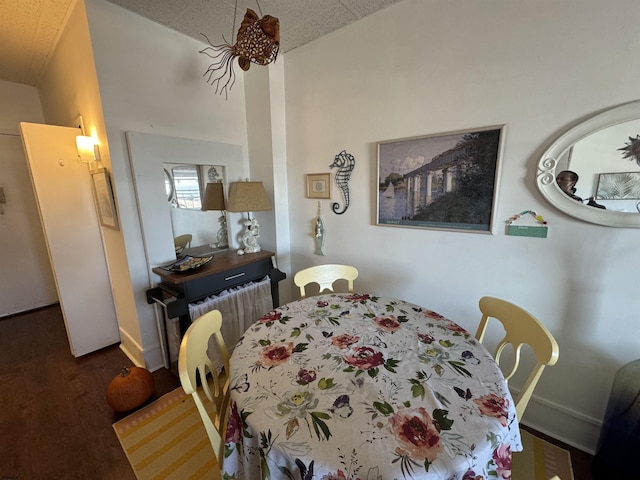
column 444, row 181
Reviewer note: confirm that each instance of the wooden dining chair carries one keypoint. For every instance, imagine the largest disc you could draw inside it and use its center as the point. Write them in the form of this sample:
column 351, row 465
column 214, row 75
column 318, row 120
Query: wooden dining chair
column 200, row 379
column 325, row 276
column 521, row 328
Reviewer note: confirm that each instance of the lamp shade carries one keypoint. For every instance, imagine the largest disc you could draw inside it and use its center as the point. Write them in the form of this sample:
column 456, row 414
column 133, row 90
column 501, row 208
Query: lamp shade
column 247, row 197
column 214, row 197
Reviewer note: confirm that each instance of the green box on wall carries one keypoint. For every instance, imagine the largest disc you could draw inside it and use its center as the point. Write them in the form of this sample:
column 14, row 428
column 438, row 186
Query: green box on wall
column 527, row 231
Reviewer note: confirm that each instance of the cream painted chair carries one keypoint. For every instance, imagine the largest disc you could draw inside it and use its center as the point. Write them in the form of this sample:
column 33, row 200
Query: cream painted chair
column 182, row 241
column 325, row 276
column 211, row 396
column 521, row 328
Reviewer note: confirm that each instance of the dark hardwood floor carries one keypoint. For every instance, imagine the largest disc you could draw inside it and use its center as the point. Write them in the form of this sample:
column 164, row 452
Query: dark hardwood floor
column 55, row 423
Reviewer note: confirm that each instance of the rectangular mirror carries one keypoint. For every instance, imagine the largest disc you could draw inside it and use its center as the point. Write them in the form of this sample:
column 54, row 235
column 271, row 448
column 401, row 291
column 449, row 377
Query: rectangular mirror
column 185, row 186
column 150, row 154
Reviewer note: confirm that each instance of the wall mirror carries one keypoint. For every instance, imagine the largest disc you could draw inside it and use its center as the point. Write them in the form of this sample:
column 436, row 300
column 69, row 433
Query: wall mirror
column 150, row 154
column 604, row 151
column 185, row 185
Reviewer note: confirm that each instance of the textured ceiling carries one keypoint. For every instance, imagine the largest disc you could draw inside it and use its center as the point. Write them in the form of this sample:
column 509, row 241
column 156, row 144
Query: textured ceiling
column 29, row 29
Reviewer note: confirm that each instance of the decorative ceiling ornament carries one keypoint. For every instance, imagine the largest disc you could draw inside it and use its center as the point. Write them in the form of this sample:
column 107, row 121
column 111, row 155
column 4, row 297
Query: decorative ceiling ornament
column 257, row 41
column 631, row 150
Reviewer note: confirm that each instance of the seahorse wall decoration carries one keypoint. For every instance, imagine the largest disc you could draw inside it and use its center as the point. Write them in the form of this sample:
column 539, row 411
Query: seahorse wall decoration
column 344, row 162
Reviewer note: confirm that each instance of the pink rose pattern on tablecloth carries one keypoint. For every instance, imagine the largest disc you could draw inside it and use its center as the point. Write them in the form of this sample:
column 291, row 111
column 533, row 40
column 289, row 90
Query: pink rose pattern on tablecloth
column 273, row 355
column 320, row 398
column 364, row 358
column 344, row 341
column 494, row 406
column 416, row 433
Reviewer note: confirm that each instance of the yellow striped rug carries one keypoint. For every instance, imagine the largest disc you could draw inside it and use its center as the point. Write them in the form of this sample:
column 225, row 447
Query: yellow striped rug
column 167, row 440
column 540, row 460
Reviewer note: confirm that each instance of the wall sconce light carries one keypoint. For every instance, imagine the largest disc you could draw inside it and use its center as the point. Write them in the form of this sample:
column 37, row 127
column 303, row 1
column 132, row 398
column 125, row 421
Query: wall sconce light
column 248, row 197
column 88, row 150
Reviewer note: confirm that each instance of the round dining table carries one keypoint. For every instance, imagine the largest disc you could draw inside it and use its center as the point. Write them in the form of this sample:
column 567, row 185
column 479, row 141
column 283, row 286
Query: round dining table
column 363, row 387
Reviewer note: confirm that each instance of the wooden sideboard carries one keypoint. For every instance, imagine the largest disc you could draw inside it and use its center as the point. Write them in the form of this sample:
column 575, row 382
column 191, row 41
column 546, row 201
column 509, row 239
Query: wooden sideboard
column 227, row 269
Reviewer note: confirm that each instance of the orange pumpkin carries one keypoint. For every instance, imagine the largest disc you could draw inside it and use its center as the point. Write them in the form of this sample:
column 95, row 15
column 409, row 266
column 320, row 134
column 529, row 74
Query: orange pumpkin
column 130, row 389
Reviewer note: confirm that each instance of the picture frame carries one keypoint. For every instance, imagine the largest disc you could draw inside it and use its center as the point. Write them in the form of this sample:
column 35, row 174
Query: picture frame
column 618, row 186
column 445, row 181
column 318, row 185
column 103, row 195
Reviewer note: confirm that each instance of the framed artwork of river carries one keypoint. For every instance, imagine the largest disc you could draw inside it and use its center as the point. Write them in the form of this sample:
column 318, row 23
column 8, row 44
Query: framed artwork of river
column 445, row 181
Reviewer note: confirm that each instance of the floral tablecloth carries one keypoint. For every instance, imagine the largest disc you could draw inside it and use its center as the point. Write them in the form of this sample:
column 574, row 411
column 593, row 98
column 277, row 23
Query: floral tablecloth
column 355, row 386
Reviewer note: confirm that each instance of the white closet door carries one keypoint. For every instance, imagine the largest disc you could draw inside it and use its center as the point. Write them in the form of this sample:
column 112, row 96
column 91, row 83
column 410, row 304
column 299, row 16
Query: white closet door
column 62, row 186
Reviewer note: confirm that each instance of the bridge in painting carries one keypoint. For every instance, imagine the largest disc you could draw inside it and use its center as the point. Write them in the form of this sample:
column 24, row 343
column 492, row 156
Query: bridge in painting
column 420, row 182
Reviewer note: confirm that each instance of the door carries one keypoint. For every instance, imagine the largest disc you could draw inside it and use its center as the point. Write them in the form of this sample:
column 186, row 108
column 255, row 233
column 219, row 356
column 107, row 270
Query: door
column 62, row 186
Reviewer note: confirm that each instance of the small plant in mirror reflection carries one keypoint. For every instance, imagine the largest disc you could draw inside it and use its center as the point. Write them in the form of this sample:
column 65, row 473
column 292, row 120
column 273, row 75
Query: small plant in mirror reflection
column 631, row 150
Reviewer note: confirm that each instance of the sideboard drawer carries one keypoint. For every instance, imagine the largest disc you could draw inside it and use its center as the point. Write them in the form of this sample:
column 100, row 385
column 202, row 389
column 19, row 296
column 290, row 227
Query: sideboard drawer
column 197, row 289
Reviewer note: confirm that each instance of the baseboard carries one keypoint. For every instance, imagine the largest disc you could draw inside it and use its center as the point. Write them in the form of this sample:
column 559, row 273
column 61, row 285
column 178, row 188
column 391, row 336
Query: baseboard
column 131, row 348
column 150, row 358
column 153, row 358
column 35, row 308
column 568, row 426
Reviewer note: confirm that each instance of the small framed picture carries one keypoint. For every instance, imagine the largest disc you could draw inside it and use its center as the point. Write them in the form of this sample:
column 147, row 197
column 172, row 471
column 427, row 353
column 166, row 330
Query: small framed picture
column 318, row 185
column 104, row 198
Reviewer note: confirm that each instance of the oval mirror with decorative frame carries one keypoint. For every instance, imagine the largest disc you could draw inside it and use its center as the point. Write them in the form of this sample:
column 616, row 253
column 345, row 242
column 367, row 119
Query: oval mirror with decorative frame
column 604, row 151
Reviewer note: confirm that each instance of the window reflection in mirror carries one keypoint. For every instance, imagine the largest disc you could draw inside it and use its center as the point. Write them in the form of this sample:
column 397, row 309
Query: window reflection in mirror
column 599, row 159
column 168, row 185
column 185, row 185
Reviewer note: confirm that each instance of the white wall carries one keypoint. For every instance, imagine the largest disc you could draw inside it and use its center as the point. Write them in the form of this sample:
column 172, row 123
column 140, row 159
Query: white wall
column 420, row 68
column 27, row 281
column 151, row 82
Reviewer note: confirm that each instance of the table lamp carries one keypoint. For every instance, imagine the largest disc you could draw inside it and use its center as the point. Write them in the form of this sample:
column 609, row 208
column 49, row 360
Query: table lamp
column 214, row 200
column 248, row 197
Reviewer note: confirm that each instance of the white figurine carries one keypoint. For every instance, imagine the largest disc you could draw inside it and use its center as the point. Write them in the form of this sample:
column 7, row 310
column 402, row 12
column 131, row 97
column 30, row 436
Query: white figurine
column 222, row 235
column 250, row 236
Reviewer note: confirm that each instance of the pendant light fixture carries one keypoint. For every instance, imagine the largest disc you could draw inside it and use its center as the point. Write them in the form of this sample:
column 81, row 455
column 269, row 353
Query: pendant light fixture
column 257, row 41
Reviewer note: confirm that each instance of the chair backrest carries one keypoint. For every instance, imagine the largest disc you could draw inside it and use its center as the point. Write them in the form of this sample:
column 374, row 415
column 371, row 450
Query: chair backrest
column 521, row 327
column 183, row 241
column 199, row 378
column 325, row 276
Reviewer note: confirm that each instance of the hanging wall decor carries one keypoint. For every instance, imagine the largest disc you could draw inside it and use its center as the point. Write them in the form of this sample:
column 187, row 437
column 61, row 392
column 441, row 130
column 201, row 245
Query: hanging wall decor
column 537, row 231
column 344, row 162
column 319, row 233
column 257, row 41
